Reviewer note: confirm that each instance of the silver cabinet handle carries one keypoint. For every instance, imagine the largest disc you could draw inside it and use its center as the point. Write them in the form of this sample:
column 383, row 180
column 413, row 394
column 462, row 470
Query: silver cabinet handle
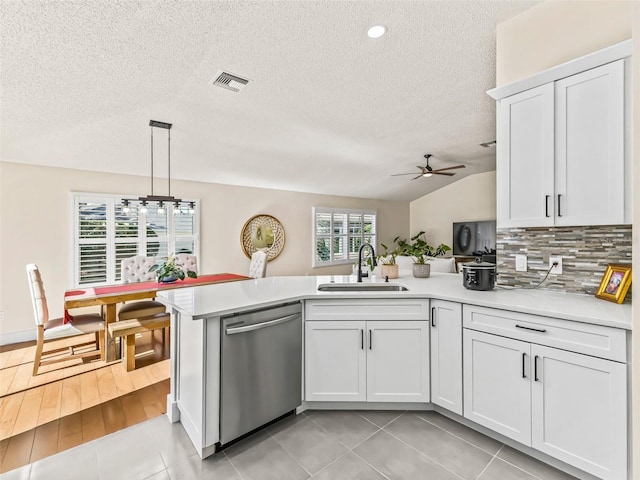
column 258, row 326
column 541, row 330
column 433, row 315
column 535, row 369
column 524, row 359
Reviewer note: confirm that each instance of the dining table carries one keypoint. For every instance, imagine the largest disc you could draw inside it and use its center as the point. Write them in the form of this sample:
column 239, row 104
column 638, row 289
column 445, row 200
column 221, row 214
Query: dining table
column 109, row 296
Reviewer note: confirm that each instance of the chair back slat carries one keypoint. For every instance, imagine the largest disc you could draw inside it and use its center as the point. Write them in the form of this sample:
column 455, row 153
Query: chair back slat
column 38, row 297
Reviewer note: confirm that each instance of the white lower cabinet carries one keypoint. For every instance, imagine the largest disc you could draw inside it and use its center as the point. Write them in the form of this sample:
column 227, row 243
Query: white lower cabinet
column 579, row 410
column 335, row 362
column 374, row 361
column 446, row 355
column 398, row 361
column 497, row 388
column 568, row 405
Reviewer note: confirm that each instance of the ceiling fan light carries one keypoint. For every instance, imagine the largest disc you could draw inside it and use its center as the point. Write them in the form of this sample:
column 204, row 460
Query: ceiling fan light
column 427, row 175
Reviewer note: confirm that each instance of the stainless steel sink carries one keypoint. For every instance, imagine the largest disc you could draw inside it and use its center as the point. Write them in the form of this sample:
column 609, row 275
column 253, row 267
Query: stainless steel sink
column 361, row 287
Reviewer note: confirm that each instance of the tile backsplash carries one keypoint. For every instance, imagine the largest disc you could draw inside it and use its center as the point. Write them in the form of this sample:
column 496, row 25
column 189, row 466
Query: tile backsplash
column 585, row 253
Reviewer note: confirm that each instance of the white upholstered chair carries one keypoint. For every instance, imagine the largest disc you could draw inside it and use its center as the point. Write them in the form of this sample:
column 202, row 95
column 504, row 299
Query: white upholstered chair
column 55, row 329
column 258, row 265
column 136, row 269
column 186, row 262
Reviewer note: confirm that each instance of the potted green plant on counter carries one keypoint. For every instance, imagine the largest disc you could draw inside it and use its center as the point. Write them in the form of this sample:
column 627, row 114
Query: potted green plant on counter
column 168, row 271
column 387, row 260
column 419, row 249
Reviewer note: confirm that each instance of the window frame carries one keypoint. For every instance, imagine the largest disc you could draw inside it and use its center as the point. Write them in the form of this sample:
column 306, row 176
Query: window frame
column 332, row 236
column 110, row 240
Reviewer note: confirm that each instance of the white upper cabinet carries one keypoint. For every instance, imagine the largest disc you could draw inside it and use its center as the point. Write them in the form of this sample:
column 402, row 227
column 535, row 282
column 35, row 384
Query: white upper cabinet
column 525, row 158
column 561, row 151
column 589, row 147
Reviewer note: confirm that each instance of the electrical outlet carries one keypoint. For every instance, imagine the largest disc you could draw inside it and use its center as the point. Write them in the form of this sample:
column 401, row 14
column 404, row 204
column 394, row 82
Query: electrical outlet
column 521, row 263
column 557, row 270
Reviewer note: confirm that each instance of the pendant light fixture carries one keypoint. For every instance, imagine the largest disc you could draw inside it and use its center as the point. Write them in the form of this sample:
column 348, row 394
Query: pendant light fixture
column 163, row 201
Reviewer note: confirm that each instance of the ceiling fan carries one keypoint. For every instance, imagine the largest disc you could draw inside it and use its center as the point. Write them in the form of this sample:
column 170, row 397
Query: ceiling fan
column 427, row 171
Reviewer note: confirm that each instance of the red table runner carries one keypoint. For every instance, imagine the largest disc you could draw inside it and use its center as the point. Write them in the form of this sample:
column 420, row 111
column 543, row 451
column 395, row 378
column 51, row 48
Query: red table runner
column 150, row 286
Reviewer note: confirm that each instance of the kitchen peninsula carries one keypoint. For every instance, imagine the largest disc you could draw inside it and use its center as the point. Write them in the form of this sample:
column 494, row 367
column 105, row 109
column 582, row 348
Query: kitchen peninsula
column 553, row 356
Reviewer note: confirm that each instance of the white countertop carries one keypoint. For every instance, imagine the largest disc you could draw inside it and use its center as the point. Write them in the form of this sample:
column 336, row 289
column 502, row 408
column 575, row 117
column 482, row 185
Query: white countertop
column 225, row 298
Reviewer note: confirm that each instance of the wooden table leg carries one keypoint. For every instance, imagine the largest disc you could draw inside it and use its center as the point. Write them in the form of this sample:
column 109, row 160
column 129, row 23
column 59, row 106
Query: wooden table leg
column 110, row 344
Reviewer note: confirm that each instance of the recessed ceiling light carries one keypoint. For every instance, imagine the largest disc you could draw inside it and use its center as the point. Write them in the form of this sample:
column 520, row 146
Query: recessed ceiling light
column 376, row 31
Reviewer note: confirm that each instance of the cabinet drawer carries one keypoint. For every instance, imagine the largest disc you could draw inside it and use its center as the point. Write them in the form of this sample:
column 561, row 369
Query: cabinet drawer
column 367, row 309
column 595, row 340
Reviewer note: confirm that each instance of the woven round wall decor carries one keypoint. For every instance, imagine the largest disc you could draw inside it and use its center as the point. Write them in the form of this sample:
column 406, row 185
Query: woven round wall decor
column 262, row 232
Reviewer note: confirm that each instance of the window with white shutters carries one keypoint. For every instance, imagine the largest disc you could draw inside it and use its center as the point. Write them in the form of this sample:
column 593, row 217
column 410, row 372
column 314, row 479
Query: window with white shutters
column 105, row 234
column 338, row 234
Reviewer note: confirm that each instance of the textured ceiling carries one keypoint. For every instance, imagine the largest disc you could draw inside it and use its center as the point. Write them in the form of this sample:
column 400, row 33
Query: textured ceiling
column 328, row 110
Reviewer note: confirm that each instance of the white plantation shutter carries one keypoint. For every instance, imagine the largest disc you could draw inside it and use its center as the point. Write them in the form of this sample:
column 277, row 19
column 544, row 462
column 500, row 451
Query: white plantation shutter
column 104, row 235
column 339, row 233
column 92, row 236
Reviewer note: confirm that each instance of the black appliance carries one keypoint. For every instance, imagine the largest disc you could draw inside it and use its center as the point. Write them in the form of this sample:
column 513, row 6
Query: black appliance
column 479, row 275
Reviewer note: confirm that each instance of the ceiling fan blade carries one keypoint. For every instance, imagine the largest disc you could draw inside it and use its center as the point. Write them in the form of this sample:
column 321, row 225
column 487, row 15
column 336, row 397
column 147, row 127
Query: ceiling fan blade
column 435, row 172
column 449, row 168
column 398, row 174
column 419, row 176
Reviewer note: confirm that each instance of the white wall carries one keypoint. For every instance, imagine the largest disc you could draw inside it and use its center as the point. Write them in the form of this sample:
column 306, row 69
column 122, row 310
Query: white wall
column 554, row 32
column 470, row 199
column 36, row 214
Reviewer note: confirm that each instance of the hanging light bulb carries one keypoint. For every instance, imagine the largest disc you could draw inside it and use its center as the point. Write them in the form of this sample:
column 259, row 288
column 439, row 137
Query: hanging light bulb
column 125, row 206
column 192, row 208
column 176, row 208
column 143, row 207
column 160, row 207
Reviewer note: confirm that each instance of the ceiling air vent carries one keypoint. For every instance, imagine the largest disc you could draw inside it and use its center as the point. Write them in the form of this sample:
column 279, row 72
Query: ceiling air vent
column 230, row 82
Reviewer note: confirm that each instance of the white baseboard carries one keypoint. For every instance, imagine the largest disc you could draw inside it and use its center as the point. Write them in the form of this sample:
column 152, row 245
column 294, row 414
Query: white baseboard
column 17, row 337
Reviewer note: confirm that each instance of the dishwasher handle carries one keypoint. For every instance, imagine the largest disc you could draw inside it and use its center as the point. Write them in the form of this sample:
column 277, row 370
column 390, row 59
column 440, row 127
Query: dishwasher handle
column 258, row 326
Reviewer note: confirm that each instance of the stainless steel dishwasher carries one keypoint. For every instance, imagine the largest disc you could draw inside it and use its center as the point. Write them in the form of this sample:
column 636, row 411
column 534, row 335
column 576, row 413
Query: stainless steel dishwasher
column 260, row 368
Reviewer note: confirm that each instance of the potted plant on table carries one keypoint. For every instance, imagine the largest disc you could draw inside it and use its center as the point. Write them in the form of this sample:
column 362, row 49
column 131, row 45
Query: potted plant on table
column 419, row 249
column 168, row 271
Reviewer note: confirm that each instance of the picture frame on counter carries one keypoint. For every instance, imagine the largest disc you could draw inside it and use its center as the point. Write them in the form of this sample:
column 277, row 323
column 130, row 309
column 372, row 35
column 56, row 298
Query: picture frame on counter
column 615, row 283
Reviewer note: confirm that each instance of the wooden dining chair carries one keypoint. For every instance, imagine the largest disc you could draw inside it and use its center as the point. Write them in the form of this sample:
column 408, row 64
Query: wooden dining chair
column 137, row 269
column 49, row 330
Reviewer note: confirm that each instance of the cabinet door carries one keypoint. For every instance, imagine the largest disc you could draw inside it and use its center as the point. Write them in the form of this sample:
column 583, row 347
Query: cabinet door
column 524, row 166
column 497, row 388
column 579, row 411
column 446, row 355
column 397, row 361
column 335, row 361
column 589, row 165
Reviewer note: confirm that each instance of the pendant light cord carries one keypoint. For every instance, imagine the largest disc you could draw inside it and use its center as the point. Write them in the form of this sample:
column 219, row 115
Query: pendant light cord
column 169, row 163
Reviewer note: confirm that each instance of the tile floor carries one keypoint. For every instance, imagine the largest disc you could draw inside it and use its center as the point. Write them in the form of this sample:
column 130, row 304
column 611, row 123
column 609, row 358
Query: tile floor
column 322, row 445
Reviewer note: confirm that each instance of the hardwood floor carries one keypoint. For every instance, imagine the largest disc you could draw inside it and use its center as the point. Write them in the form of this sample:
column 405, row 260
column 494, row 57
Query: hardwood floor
column 69, row 406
